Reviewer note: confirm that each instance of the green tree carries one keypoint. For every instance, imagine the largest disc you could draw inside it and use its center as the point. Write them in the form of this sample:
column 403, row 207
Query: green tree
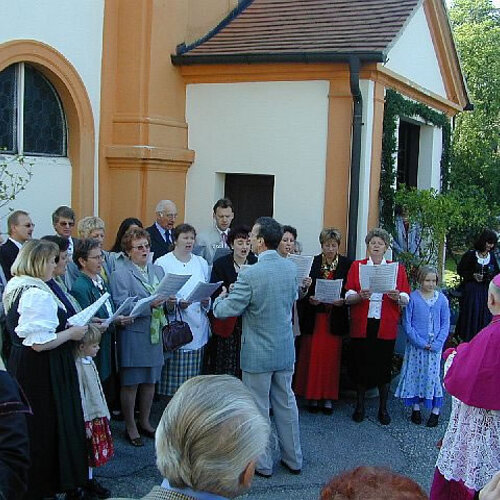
column 15, row 173
column 475, row 159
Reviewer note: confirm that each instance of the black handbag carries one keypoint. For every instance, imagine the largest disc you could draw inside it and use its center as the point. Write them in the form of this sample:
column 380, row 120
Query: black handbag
column 175, row 333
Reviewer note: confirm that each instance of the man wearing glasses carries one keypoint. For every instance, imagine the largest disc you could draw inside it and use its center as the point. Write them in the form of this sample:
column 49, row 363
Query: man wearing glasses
column 63, row 220
column 20, row 228
column 162, row 240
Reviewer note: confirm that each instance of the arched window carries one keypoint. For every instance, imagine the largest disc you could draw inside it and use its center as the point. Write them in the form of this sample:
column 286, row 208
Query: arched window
column 32, row 120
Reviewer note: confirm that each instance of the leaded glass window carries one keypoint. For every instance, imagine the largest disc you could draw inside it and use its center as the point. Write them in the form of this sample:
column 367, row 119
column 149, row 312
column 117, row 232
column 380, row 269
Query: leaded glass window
column 31, row 113
column 8, row 109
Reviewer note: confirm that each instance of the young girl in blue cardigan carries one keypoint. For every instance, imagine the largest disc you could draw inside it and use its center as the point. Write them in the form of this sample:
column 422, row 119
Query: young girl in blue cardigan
column 427, row 325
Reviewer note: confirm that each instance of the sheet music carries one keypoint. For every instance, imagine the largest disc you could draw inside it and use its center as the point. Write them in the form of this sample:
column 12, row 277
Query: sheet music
column 142, row 305
column 378, row 279
column 328, row 291
column 83, row 317
column 303, row 263
column 125, row 305
column 171, row 284
column 202, row 291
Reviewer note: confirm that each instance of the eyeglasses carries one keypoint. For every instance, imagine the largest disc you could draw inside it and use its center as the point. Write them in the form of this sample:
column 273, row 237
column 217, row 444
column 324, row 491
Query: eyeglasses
column 67, row 224
column 97, row 257
column 28, row 225
column 168, row 216
column 142, row 247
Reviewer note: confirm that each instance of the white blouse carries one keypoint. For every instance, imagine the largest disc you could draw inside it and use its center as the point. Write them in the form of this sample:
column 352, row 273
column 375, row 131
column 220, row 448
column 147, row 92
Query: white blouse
column 195, row 315
column 37, row 317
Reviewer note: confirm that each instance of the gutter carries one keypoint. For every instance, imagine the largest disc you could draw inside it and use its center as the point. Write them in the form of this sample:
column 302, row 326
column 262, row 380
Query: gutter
column 354, row 68
column 292, row 57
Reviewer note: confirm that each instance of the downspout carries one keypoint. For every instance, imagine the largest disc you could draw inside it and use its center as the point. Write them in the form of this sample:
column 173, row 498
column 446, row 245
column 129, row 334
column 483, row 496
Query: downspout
column 354, row 67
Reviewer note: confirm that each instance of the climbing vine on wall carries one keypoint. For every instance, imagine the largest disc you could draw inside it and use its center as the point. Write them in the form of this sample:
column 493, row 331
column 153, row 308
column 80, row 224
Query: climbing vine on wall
column 397, row 106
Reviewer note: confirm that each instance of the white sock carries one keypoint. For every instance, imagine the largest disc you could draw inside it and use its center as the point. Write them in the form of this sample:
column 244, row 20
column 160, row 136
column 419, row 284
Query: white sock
column 90, row 473
column 416, row 407
column 435, row 410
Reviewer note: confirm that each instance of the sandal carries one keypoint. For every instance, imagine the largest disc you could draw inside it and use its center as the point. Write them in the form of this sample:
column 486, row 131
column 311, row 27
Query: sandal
column 137, row 442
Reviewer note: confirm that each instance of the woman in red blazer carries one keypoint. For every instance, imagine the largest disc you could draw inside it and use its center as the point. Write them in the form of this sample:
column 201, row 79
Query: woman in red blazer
column 374, row 326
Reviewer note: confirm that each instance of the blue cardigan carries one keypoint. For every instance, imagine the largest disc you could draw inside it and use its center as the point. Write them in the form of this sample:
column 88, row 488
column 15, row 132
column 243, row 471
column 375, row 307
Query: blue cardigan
column 416, row 321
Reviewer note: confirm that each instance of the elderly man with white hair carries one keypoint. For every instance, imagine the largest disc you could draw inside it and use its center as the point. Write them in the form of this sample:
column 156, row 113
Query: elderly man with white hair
column 208, row 440
column 162, row 238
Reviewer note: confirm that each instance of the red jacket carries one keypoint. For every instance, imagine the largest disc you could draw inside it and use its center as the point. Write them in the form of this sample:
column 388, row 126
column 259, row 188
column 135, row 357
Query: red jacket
column 390, row 310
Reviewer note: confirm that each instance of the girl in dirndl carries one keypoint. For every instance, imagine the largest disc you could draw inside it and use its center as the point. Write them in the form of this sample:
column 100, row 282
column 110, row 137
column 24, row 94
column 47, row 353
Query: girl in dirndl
column 95, row 410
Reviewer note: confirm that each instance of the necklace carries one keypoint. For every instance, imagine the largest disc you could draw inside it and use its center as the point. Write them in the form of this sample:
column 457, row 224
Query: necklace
column 238, row 266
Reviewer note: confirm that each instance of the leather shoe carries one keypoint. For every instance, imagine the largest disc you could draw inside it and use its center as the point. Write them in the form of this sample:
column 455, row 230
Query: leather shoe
column 312, row 408
column 94, row 487
column 383, row 417
column 433, row 420
column 261, row 474
column 295, row 472
column 145, row 432
column 416, row 417
column 358, row 415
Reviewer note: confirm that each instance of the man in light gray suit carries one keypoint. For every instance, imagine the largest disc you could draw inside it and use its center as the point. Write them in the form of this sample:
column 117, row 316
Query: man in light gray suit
column 212, row 244
column 264, row 295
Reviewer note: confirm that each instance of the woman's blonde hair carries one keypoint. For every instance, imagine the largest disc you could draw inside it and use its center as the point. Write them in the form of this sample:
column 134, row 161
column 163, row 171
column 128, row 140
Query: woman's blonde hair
column 423, row 271
column 330, row 233
column 89, row 224
column 33, row 258
column 209, row 433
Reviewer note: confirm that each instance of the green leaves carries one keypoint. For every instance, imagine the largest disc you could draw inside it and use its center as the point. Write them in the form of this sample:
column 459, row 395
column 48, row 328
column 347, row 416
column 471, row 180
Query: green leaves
column 15, row 173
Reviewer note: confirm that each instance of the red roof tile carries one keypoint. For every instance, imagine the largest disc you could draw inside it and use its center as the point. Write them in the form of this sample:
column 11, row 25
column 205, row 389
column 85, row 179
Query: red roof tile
column 287, row 28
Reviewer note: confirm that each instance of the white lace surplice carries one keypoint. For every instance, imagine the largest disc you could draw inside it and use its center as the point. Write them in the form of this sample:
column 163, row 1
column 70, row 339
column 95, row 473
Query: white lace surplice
column 471, row 445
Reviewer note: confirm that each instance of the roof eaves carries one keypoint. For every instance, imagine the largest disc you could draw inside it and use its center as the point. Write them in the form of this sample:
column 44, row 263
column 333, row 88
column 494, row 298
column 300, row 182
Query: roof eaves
column 293, row 57
column 182, row 48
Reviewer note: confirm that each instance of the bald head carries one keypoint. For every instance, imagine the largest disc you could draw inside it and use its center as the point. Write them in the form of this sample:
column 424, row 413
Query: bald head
column 494, row 295
column 166, row 214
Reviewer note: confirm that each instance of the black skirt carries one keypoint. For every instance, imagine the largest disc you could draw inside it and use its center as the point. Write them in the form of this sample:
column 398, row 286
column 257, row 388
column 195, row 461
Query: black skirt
column 371, row 358
column 58, row 449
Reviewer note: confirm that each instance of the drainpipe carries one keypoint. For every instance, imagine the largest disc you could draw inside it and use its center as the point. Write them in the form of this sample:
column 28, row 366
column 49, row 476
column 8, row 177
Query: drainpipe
column 354, row 67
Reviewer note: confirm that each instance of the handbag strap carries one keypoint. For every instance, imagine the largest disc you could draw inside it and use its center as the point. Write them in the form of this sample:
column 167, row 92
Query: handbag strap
column 177, row 309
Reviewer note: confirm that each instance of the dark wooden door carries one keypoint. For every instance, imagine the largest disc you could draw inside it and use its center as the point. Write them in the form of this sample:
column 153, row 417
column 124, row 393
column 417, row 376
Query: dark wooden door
column 252, row 196
column 408, row 151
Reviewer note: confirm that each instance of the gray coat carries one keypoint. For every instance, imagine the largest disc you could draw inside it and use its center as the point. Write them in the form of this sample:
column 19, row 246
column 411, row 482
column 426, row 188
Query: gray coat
column 264, row 295
column 209, row 245
column 134, row 343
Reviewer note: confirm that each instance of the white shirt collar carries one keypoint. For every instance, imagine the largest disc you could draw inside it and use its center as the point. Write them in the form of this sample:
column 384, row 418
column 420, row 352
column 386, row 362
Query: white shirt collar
column 370, row 262
column 161, row 229
column 18, row 245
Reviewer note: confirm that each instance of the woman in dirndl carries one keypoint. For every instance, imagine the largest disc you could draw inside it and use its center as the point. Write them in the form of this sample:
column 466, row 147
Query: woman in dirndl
column 187, row 361
column 225, row 342
column 322, row 327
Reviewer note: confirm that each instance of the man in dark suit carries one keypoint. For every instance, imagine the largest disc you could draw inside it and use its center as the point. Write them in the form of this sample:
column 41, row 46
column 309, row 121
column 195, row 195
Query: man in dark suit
column 20, row 228
column 161, row 232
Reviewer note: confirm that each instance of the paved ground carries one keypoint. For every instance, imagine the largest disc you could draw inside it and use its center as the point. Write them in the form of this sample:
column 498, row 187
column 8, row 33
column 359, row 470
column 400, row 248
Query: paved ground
column 330, row 444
